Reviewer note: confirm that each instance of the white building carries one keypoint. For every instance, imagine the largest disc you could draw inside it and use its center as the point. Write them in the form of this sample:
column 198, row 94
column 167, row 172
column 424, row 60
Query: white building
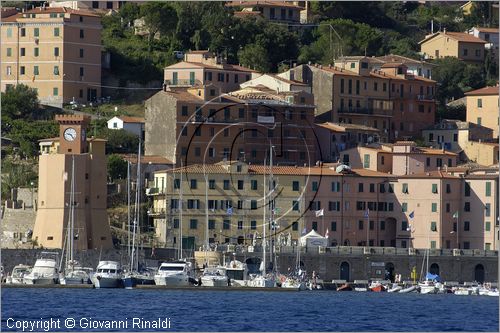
column 277, row 83
column 415, row 67
column 134, row 125
column 490, row 35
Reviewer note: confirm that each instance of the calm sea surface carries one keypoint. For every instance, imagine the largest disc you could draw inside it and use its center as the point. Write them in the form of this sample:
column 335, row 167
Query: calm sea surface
column 254, row 310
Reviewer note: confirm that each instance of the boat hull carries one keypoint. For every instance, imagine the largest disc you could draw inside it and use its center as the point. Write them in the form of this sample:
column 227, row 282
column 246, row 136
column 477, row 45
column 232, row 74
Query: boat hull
column 345, row 287
column 106, row 282
column 40, row 280
column 412, row 289
column 428, row 290
column 172, row 281
column 377, row 289
column 74, row 281
column 214, row 282
column 133, row 281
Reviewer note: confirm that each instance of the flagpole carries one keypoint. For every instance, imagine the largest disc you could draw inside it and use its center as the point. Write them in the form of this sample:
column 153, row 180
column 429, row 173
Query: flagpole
column 367, row 227
column 458, row 243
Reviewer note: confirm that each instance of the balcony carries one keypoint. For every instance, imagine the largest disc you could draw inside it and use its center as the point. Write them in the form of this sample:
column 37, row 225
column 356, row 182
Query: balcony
column 152, row 191
column 182, row 83
column 425, row 98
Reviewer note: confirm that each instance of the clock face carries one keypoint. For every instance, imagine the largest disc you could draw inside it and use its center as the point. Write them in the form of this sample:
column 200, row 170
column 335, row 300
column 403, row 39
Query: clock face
column 69, row 134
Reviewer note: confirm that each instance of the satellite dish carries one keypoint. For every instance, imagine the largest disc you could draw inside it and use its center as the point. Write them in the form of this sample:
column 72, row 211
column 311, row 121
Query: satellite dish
column 342, row 168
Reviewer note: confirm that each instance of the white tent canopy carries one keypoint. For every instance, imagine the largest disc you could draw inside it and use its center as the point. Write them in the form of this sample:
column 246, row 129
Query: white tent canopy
column 313, row 239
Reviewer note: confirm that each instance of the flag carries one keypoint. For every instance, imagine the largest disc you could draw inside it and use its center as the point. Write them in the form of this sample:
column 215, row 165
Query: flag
column 455, row 215
column 304, row 231
column 412, row 214
column 326, row 233
column 229, row 211
column 367, row 213
column 319, row 212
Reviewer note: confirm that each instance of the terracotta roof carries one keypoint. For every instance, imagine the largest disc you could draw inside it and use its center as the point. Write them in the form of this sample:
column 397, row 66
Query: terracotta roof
column 343, row 127
column 483, row 91
column 430, row 174
column 127, row 119
column 221, row 68
column 147, row 159
column 401, row 59
column 287, row 4
column 48, row 10
column 392, row 64
column 374, row 73
column 88, row 139
column 458, row 36
column 404, row 143
column 247, row 13
column 488, row 30
column 432, row 151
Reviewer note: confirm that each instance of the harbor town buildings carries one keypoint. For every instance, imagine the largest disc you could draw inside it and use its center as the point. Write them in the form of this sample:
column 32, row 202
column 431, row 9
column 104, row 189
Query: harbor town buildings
column 56, row 51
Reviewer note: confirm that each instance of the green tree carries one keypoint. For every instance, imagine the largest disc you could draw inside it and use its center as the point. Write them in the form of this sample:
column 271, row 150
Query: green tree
column 129, row 12
column 27, row 134
column 158, row 18
column 117, row 167
column 121, row 141
column 20, row 102
column 17, row 174
column 255, row 56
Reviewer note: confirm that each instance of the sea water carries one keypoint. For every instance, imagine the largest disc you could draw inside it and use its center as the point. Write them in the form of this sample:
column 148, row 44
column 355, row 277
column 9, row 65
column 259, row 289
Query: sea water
column 257, row 311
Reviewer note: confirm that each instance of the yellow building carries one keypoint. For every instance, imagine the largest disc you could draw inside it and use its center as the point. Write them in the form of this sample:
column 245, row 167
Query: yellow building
column 459, row 45
column 482, row 108
column 57, row 51
column 90, row 189
column 233, row 203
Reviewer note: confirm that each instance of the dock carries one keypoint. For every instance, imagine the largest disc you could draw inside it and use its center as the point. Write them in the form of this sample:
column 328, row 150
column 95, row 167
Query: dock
column 150, row 287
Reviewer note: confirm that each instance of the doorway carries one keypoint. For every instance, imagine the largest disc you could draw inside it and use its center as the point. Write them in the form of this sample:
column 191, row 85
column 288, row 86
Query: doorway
column 479, row 273
column 345, row 271
column 389, row 271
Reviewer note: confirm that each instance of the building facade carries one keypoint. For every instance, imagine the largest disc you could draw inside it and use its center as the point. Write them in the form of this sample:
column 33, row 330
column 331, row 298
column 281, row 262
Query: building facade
column 277, row 11
column 399, row 104
column 459, row 45
column 356, row 207
column 194, row 125
column 482, row 108
column 56, row 51
column 58, row 155
column 134, row 125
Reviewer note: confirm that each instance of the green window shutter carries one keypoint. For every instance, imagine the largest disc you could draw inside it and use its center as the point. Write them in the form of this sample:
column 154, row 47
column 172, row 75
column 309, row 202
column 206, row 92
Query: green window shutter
column 366, row 161
column 433, row 226
column 404, row 207
column 434, row 188
column 487, row 226
column 434, row 207
column 488, row 189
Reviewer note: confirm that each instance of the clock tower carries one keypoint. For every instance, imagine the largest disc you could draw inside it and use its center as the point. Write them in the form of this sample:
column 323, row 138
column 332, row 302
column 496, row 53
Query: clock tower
column 73, row 134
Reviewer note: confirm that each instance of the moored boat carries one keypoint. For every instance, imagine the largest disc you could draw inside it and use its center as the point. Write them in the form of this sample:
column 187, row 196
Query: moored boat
column 376, row 286
column 361, row 285
column 108, row 275
column 395, row 288
column 44, row 271
column 345, row 287
column 214, row 277
column 18, row 273
column 174, row 274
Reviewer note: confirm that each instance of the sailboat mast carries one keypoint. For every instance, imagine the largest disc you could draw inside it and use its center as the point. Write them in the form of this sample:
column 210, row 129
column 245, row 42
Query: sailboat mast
column 72, row 210
column 128, row 208
column 180, row 216
column 139, row 191
column 207, row 244
column 264, row 207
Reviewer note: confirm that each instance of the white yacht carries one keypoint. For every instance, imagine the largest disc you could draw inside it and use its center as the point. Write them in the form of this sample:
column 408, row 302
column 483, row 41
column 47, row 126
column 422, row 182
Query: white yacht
column 293, row 283
column 77, row 275
column 45, row 270
column 174, row 274
column 428, row 287
column 237, row 273
column 260, row 281
column 108, row 275
column 18, row 273
column 214, row 277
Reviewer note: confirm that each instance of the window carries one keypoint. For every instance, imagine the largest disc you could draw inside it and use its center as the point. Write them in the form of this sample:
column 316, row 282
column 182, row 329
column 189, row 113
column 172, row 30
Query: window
column 314, row 186
column 82, row 35
column 253, row 204
column 36, row 32
column 240, row 225
column 295, row 226
column 211, row 224
column 350, row 87
column 478, row 53
column 55, row 91
column 194, row 184
column 211, row 184
column 448, row 188
column 81, row 53
column 36, row 71
column 226, row 184
column 434, row 188
column 467, row 207
column 382, row 188
column 81, row 71
column 357, row 87
column 391, row 188
column 433, row 244
column 295, row 186
column 448, row 209
column 9, row 70
column 295, row 205
column 466, row 245
column 487, row 210
column 488, row 189
column 384, row 87
column 405, row 188
column 315, row 226
column 240, row 184
column 36, row 51
column 404, row 207
column 253, row 225
column 467, row 189
column 360, row 224
column 433, row 226
column 193, row 224
column 372, row 188
column 360, row 187
column 253, row 184
column 487, row 226
column 366, row 161
column 56, row 52
column 56, row 32
column 335, row 186
column 226, row 224
column 434, row 207
column 466, row 225
column 9, row 32
column 184, row 110
column 479, row 121
column 334, row 226
column 184, row 131
column 23, row 32
column 382, row 225
column 9, row 52
column 80, row 18
column 404, row 225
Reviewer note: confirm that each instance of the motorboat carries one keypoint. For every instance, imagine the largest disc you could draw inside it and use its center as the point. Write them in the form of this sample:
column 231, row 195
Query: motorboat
column 493, row 293
column 237, row 273
column 293, row 283
column 17, row 275
column 77, row 275
column 395, row 288
column 376, row 286
column 408, row 289
column 214, row 277
column 361, row 285
column 133, row 279
column 108, row 275
column 345, row 287
column 174, row 274
column 45, row 270
column 262, row 281
column 463, row 291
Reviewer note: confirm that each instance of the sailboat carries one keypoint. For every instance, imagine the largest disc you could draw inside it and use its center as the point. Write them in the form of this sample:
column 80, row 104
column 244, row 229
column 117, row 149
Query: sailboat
column 428, row 285
column 263, row 280
column 135, row 276
column 73, row 272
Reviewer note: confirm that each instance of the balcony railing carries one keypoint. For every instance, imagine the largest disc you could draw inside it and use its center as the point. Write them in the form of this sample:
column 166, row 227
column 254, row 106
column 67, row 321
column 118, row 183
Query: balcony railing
column 183, row 82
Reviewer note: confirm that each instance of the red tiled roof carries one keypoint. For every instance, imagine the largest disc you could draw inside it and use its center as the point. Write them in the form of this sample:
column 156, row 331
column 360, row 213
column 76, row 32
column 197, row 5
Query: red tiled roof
column 127, row 119
column 489, row 30
column 222, row 68
column 288, row 4
column 14, row 18
column 147, row 159
column 346, row 127
column 392, row 64
column 483, row 91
